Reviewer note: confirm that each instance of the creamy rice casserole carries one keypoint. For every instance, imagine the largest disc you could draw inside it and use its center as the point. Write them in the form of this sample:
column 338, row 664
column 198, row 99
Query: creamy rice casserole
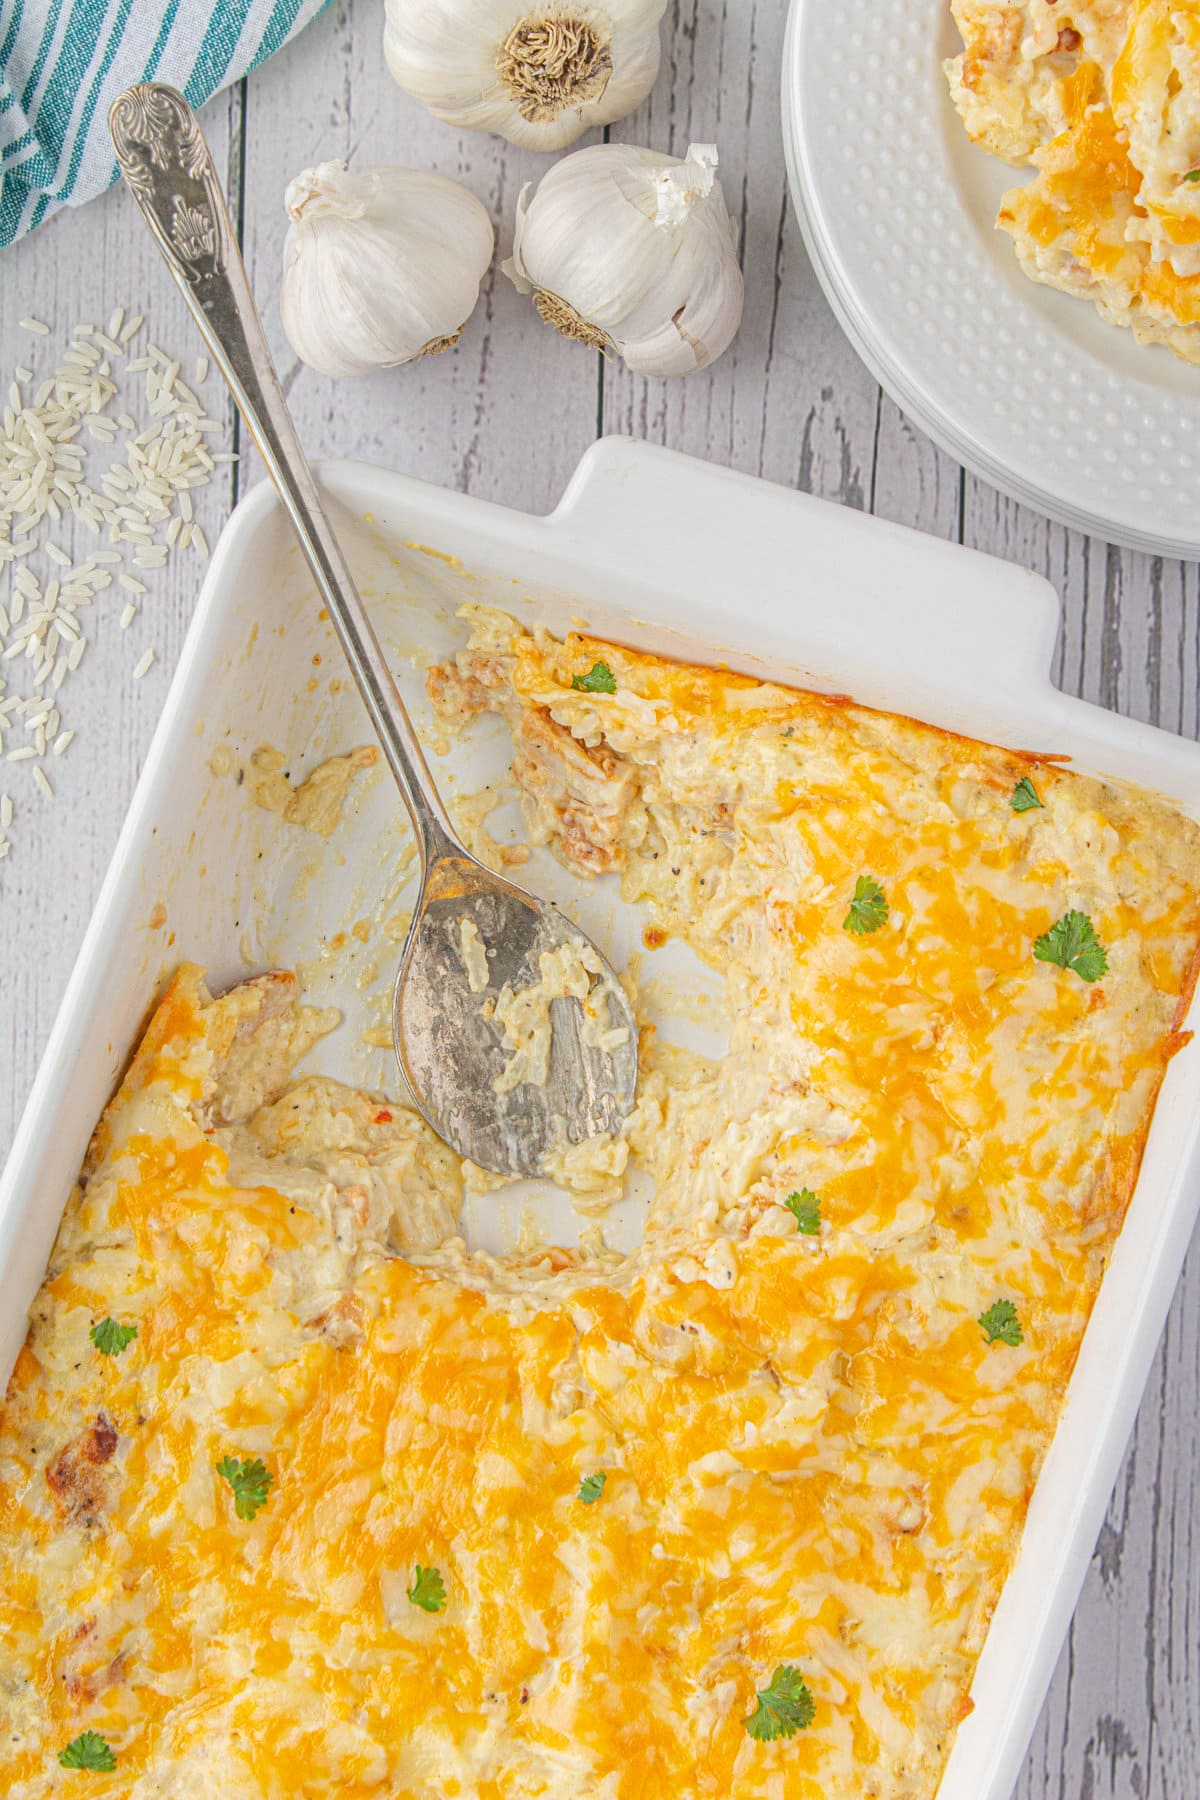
column 302, row 1496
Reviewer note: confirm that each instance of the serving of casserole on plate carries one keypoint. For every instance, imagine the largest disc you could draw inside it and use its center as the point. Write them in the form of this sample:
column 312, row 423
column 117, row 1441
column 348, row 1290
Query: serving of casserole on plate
column 302, row 1482
column 1102, row 97
column 924, row 144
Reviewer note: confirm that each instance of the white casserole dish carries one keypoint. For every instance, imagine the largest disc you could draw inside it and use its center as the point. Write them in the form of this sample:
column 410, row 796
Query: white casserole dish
column 671, row 555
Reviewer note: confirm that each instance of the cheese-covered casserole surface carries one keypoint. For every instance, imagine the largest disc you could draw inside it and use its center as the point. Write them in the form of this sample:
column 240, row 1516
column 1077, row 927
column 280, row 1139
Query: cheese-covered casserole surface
column 361, row 1512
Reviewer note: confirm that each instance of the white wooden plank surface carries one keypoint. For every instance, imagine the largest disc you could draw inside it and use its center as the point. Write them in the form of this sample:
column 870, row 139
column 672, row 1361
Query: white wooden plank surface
column 506, row 416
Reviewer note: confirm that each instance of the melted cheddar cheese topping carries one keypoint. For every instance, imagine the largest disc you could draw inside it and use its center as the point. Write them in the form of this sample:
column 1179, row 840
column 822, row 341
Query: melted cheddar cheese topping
column 813, row 1457
column 1102, row 97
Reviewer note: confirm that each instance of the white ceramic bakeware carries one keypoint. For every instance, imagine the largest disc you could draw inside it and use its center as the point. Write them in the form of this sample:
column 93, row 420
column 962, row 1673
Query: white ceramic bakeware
column 670, row 555
column 1027, row 386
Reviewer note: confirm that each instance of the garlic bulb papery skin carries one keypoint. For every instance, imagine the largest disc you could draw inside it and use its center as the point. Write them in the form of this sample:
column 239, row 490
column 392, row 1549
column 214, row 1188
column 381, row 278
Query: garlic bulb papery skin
column 632, row 251
column 539, row 72
column 379, row 267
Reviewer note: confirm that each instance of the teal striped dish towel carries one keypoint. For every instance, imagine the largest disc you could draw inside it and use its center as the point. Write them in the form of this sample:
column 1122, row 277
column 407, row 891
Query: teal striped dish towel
column 63, row 63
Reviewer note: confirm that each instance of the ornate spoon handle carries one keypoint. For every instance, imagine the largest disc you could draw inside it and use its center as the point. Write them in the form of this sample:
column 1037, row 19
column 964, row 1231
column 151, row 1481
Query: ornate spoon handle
column 167, row 164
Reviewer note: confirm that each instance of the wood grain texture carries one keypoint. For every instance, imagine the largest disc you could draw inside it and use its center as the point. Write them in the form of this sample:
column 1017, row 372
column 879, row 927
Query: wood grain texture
column 77, row 269
column 506, row 416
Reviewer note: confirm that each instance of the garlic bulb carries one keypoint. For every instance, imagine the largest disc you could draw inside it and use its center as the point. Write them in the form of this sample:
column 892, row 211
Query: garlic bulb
column 631, row 251
column 381, row 267
column 539, row 72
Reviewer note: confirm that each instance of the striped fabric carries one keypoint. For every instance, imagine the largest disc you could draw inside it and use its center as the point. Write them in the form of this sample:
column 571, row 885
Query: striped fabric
column 63, row 62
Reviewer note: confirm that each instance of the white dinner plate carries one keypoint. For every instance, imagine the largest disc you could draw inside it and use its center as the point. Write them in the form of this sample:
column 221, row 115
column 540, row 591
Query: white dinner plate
column 1026, row 386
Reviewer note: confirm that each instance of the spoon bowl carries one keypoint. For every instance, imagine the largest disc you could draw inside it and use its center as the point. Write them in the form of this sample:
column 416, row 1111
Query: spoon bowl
column 514, row 1036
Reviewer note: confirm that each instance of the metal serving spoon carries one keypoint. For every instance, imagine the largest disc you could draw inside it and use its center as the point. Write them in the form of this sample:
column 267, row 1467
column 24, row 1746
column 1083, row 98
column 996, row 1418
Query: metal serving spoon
column 451, row 1050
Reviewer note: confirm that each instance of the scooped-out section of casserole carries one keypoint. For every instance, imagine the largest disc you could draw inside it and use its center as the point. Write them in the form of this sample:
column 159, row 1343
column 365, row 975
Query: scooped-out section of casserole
column 301, row 1495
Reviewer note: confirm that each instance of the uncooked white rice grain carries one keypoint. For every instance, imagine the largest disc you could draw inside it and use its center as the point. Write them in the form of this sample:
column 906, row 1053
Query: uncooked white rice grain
column 142, row 664
column 35, row 325
column 199, row 541
column 115, row 321
column 43, row 781
column 22, row 373
column 61, row 741
column 6, row 812
column 23, row 754
column 132, row 328
column 58, row 556
column 128, row 615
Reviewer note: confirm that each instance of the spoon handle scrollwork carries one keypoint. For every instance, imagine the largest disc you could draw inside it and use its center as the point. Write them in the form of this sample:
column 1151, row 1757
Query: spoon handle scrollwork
column 169, row 169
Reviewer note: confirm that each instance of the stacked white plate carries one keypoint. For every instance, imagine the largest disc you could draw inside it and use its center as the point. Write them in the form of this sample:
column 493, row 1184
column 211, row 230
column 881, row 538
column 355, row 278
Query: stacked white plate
column 1026, row 386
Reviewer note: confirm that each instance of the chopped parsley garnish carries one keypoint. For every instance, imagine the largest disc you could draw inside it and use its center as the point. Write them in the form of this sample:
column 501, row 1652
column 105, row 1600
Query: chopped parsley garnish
column 868, row 909
column 250, row 1482
column 88, row 1751
column 805, row 1208
column 110, row 1338
column 592, row 1486
column 1073, row 944
column 1192, row 175
column 598, row 680
column 784, row 1708
column 428, row 1591
column 1001, row 1324
column 1025, row 797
